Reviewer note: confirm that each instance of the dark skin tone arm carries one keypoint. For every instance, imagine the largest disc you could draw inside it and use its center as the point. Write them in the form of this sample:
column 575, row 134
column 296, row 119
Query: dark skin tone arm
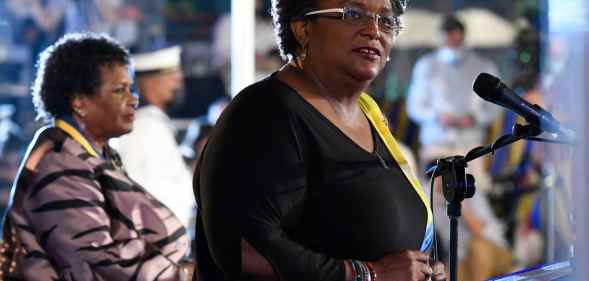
column 407, row 265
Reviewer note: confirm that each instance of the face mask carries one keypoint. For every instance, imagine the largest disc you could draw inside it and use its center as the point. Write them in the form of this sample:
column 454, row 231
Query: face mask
column 450, row 55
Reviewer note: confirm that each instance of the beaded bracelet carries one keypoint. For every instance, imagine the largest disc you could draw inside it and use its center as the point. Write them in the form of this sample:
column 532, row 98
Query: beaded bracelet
column 362, row 271
column 357, row 270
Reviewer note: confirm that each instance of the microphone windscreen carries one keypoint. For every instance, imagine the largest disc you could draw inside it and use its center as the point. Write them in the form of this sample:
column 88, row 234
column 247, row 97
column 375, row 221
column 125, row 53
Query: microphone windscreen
column 485, row 85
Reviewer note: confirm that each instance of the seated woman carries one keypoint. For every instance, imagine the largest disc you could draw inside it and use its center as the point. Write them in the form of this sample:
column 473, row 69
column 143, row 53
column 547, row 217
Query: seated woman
column 301, row 178
column 74, row 212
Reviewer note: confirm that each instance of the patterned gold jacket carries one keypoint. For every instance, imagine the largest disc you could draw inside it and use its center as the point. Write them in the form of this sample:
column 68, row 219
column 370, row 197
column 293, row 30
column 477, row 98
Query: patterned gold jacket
column 77, row 215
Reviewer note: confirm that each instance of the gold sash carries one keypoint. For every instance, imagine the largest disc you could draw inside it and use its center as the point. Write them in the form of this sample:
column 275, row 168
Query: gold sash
column 379, row 121
column 77, row 136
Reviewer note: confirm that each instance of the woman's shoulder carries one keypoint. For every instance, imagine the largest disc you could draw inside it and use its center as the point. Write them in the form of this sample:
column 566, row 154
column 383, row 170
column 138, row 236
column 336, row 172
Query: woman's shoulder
column 263, row 114
column 267, row 90
column 48, row 160
column 57, row 152
column 266, row 100
column 56, row 161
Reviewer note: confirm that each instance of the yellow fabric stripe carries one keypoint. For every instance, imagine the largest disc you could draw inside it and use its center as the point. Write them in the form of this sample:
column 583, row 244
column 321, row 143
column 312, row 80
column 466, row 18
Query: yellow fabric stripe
column 516, row 151
column 77, row 136
column 372, row 111
column 494, row 132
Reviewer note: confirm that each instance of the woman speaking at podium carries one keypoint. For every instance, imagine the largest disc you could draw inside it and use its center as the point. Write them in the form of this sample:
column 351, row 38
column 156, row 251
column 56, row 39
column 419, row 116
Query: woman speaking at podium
column 301, row 178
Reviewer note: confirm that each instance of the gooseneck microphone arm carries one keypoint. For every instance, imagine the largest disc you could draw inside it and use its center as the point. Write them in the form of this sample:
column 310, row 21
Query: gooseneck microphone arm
column 457, row 185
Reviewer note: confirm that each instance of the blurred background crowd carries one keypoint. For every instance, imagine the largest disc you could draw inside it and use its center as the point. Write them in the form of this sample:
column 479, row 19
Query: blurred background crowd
column 523, row 191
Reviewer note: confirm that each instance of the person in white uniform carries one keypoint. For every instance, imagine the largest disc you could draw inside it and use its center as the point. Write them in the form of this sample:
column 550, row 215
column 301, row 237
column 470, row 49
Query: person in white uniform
column 453, row 120
column 150, row 153
column 441, row 100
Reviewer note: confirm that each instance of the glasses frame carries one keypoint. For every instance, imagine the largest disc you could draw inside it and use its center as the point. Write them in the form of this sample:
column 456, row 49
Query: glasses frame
column 395, row 30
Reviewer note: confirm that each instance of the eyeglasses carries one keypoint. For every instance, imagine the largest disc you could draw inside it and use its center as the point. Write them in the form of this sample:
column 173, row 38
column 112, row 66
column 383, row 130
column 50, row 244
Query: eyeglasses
column 389, row 24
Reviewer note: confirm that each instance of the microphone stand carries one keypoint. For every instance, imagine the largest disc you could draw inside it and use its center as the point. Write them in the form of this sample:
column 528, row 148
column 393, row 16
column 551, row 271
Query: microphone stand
column 457, row 185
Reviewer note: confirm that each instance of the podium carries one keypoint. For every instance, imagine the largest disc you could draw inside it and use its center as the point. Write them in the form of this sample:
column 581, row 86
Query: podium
column 559, row 271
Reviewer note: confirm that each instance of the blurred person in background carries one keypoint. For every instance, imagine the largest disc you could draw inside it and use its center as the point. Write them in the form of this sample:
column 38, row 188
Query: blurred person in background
column 198, row 131
column 36, row 23
column 518, row 169
column 119, row 18
column 151, row 23
column 301, row 178
column 74, row 212
column 267, row 56
column 150, row 152
column 454, row 120
column 41, row 22
column 11, row 139
column 8, row 129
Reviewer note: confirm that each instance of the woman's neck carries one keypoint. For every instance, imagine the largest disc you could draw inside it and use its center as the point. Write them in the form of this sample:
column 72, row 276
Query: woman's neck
column 339, row 91
column 97, row 142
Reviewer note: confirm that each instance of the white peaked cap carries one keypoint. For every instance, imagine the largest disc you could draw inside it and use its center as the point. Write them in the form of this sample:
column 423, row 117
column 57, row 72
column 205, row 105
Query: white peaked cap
column 162, row 59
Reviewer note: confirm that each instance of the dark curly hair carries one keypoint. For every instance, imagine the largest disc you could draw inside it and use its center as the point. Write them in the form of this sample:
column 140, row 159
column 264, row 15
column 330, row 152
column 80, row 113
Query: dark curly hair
column 451, row 23
column 71, row 67
column 285, row 11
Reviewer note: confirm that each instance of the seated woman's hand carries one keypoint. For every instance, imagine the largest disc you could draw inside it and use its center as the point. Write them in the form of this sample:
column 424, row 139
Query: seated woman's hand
column 409, row 266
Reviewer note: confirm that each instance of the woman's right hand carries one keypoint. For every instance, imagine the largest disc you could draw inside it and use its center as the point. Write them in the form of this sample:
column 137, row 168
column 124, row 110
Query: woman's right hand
column 407, row 265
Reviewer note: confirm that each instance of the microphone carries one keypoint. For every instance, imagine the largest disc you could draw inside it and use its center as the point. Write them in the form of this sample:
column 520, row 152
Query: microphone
column 491, row 89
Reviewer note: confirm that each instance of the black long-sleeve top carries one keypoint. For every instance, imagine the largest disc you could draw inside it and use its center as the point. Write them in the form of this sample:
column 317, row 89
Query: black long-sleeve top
column 280, row 175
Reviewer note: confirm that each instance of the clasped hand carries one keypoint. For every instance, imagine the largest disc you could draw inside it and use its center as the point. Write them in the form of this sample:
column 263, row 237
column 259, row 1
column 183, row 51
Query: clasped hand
column 409, row 266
